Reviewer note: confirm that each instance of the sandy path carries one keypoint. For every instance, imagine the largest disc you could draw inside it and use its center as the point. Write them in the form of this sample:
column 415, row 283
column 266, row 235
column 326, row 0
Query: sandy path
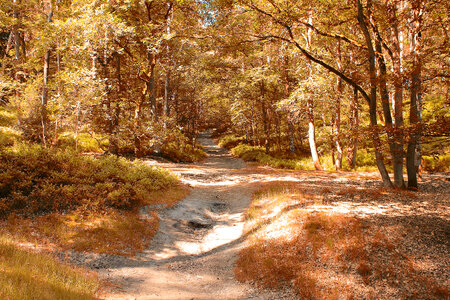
column 193, row 254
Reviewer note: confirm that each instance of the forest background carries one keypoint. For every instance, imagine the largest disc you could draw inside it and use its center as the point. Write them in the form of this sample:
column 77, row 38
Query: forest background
column 344, row 84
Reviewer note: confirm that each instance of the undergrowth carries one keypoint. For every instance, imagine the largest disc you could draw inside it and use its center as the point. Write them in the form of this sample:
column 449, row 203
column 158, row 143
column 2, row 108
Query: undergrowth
column 84, row 142
column 365, row 160
column 112, row 232
column 230, row 141
column 257, row 154
column 81, row 202
column 28, row 275
column 436, row 163
column 36, row 180
column 324, row 255
column 183, row 152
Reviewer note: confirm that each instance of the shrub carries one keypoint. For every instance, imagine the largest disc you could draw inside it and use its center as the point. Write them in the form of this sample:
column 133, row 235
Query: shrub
column 436, row 163
column 8, row 137
column 230, row 141
column 257, row 154
column 36, row 180
column 182, row 152
column 86, row 142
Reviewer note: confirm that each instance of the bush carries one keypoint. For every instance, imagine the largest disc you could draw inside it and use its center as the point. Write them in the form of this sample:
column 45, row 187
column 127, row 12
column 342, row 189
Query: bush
column 180, row 152
column 86, row 142
column 365, row 158
column 36, row 180
column 257, row 154
column 436, row 163
column 230, row 141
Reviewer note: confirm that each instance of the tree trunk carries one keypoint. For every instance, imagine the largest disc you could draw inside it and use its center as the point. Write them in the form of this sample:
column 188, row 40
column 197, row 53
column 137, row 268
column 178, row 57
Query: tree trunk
column 8, row 47
column 373, row 97
column 44, row 115
column 287, row 92
column 354, row 123
column 398, row 100
column 414, row 115
column 310, row 108
column 152, row 87
column 312, row 135
column 265, row 119
column 395, row 148
column 138, row 151
column 115, row 114
column 337, row 117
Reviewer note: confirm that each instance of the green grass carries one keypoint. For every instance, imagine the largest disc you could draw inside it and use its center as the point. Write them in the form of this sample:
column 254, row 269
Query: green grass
column 183, row 152
column 365, row 159
column 27, row 275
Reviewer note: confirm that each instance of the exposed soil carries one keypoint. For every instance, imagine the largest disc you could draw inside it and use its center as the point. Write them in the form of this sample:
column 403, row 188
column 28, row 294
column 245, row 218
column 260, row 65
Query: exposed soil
column 194, row 252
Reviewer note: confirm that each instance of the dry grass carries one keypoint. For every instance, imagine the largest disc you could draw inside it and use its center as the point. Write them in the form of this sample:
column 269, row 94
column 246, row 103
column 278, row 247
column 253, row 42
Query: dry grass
column 28, row 275
column 112, row 231
column 323, row 254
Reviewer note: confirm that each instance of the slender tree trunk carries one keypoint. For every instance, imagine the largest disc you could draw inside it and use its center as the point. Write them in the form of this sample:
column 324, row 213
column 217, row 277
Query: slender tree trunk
column 44, row 115
column 152, row 87
column 166, row 98
column 287, row 92
column 398, row 100
column 310, row 108
column 312, row 135
column 414, row 115
column 291, row 133
column 8, row 47
column 138, row 151
column 337, row 117
column 354, row 123
column 115, row 113
column 373, row 97
column 265, row 119
column 167, row 79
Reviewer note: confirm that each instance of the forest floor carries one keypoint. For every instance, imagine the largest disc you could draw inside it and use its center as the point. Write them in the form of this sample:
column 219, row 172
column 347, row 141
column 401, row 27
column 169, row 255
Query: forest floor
column 195, row 250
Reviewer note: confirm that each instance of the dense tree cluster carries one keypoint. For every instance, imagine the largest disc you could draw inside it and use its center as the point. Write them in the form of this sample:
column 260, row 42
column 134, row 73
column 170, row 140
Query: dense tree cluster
column 369, row 71
column 142, row 75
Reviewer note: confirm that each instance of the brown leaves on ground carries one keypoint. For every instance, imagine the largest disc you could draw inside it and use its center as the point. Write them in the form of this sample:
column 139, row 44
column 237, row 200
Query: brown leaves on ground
column 330, row 240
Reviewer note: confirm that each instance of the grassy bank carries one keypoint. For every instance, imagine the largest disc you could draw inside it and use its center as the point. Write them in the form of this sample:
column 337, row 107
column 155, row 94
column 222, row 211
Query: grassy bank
column 82, row 202
column 29, row 275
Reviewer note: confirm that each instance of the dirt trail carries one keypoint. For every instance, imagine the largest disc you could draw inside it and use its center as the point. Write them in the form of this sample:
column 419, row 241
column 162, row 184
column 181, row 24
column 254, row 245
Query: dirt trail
column 193, row 254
